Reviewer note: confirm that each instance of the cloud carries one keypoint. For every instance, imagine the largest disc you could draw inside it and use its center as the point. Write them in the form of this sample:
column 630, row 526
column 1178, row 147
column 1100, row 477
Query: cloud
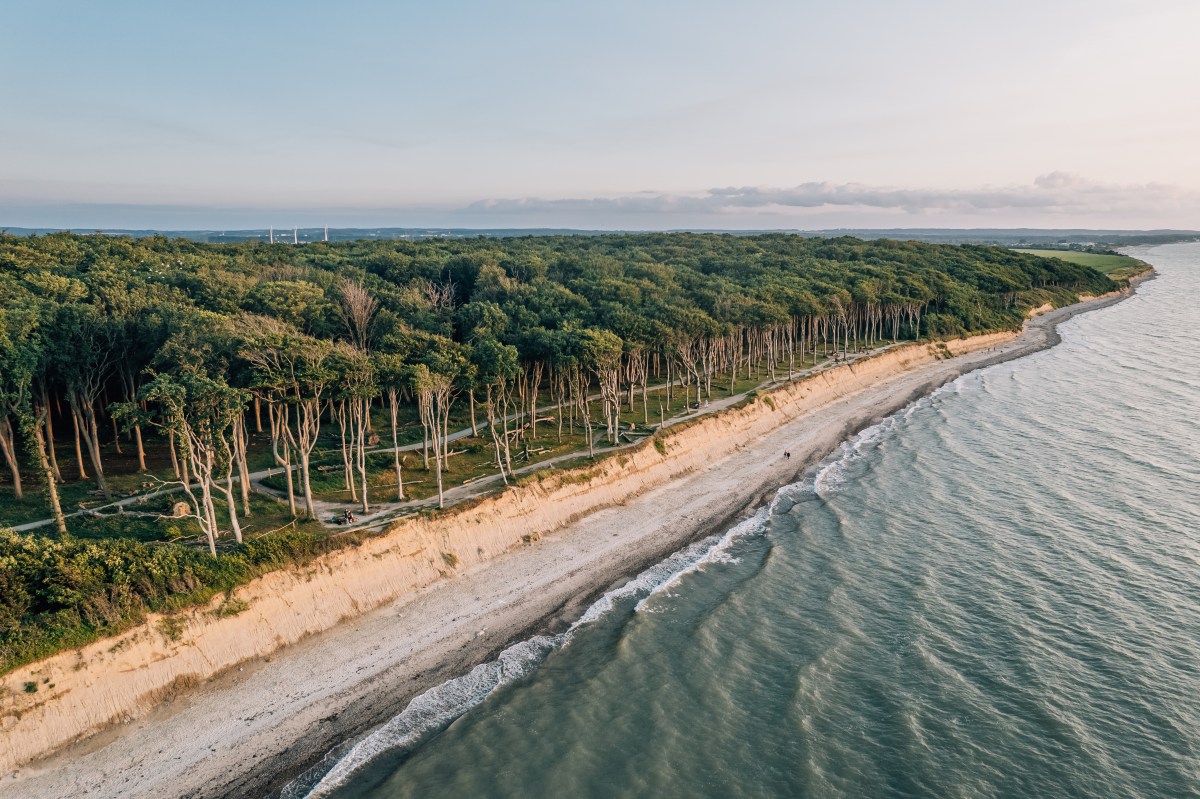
column 1056, row 192
column 1056, row 199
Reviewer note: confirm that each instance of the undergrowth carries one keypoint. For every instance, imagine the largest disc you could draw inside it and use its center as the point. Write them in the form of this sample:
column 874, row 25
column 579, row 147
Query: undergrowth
column 64, row 593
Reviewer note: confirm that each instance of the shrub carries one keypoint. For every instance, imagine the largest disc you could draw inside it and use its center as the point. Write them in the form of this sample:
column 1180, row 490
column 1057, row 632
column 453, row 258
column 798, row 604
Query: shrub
column 60, row 593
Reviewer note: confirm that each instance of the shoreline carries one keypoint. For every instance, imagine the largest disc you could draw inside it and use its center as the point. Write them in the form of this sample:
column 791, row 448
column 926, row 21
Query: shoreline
column 251, row 729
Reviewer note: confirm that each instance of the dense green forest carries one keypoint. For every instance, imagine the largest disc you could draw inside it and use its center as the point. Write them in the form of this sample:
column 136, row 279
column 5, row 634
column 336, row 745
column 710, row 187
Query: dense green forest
column 132, row 364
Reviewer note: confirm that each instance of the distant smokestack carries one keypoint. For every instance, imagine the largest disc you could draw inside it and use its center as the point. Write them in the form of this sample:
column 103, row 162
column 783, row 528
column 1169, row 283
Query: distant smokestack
column 327, row 233
column 271, row 235
column 295, row 238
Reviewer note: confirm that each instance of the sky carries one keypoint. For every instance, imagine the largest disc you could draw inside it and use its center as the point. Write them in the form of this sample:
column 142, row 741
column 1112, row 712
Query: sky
column 657, row 114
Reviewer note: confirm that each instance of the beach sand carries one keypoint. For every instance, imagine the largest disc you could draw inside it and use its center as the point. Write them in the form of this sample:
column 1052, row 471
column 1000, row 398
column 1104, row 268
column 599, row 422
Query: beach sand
column 250, row 730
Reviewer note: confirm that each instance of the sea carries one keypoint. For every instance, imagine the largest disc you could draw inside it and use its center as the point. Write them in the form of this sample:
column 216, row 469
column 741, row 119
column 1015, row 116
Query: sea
column 993, row 593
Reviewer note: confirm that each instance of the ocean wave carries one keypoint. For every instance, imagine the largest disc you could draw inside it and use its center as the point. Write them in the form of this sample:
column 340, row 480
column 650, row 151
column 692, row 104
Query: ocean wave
column 438, row 707
column 833, row 473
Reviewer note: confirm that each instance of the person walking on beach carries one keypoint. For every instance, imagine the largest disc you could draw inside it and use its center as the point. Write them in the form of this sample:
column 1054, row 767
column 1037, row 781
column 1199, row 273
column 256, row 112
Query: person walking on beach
column 787, row 455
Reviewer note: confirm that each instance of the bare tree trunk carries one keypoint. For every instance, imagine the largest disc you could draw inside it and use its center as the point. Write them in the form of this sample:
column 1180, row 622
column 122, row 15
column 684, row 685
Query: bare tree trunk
column 474, row 426
column 291, row 485
column 141, row 450
column 277, row 417
column 78, row 449
column 306, row 486
column 535, row 380
column 9, row 447
column 50, row 437
column 491, row 415
column 88, row 429
column 341, row 414
column 361, row 409
column 308, row 427
column 227, row 490
column 60, row 521
column 210, row 517
column 174, row 457
column 393, row 403
column 243, row 466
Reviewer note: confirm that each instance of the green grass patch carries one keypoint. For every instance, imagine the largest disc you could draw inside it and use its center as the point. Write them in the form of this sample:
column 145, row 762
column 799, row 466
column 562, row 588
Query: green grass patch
column 1117, row 267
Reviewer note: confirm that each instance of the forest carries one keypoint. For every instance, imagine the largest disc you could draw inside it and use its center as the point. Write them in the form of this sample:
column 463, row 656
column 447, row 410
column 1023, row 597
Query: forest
column 182, row 416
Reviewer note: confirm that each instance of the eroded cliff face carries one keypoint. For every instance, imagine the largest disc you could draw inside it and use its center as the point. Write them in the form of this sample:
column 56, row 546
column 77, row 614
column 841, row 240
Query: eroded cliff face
column 121, row 678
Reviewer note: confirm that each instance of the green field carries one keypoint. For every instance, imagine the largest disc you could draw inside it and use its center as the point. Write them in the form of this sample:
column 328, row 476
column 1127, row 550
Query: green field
column 1116, row 267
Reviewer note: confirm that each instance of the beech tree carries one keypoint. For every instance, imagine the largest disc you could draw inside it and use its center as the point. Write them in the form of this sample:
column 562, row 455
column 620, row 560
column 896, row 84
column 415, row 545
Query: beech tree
column 201, row 412
column 435, row 391
column 354, row 386
column 293, row 371
column 20, row 348
column 85, row 355
column 496, row 370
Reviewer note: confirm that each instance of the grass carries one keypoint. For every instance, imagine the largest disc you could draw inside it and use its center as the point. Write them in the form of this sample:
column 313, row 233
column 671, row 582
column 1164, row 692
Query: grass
column 1117, row 267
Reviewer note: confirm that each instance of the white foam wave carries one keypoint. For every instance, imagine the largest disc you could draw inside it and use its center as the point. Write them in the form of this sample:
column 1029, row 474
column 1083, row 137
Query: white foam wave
column 711, row 550
column 441, row 705
column 831, row 476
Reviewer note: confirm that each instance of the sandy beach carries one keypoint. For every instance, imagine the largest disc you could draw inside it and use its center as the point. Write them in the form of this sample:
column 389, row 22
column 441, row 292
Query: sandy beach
column 250, row 730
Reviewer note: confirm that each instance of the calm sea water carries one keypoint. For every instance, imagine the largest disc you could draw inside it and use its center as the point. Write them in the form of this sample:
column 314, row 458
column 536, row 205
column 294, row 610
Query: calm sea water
column 995, row 593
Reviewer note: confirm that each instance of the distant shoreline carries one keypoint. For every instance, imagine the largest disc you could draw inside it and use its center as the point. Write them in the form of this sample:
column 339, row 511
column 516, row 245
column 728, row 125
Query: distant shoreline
column 312, row 234
column 358, row 674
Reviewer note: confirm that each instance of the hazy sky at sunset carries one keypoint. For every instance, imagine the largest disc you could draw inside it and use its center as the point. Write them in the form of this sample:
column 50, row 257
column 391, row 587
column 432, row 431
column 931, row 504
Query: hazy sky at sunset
column 617, row 114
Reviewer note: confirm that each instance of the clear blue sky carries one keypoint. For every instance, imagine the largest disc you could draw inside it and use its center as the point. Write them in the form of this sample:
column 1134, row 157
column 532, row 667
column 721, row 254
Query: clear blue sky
column 613, row 114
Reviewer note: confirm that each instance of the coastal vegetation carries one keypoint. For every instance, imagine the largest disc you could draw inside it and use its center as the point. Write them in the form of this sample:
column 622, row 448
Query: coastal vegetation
column 227, row 393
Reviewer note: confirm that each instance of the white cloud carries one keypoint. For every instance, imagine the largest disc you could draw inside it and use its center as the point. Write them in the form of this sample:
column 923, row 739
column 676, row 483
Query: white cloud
column 1055, row 199
column 1053, row 193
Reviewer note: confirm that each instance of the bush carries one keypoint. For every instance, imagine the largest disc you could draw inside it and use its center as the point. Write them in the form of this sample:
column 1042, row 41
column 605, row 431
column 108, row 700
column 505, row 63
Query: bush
column 60, row 593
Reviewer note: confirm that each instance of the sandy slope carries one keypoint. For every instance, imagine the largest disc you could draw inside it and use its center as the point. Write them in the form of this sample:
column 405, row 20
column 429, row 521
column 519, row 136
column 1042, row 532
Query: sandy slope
column 249, row 730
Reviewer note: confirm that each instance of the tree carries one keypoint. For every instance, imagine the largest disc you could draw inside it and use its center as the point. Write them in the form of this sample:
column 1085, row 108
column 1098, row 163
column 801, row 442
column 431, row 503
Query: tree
column 496, row 370
column 294, row 369
column 20, row 352
column 84, row 348
column 201, row 412
column 394, row 377
column 435, row 391
column 358, row 310
column 354, row 386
